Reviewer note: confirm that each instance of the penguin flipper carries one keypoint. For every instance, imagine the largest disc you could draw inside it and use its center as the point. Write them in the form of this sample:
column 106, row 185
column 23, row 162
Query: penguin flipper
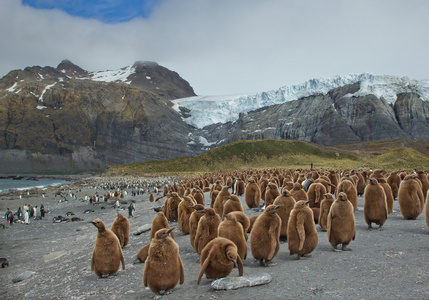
column 122, row 257
column 329, row 225
column 145, row 270
column 204, row 267
column 182, row 272
column 274, row 245
column 93, row 260
column 240, row 266
column 301, row 230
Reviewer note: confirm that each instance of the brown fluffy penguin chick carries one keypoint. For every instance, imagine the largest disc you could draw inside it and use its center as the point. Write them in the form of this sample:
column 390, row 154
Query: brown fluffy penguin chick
column 389, row 195
column 287, row 202
column 315, row 192
column 348, row 187
column 252, row 193
column 199, row 196
column 341, row 222
column 265, row 235
column 121, row 227
column 243, row 220
column 239, row 187
column 301, row 231
column 107, row 255
column 184, row 214
column 326, row 183
column 172, row 210
column 424, row 181
column 325, row 205
column 394, row 181
column 375, row 205
column 193, row 222
column 159, row 222
column 231, row 229
column 163, row 268
column 207, row 229
column 218, row 258
column 232, row 203
column 213, row 196
column 271, row 193
column 298, row 192
column 220, row 200
column 410, row 197
column 142, row 254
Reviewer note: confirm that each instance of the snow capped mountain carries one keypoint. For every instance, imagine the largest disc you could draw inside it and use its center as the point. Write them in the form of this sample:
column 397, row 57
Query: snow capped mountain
column 120, row 75
column 207, row 110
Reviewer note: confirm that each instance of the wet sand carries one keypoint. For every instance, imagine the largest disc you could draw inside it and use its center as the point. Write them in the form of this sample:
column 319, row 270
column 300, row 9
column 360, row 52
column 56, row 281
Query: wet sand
column 383, row 264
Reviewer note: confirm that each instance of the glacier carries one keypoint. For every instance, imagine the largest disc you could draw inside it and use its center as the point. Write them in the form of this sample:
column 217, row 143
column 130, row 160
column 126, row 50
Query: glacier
column 207, row 110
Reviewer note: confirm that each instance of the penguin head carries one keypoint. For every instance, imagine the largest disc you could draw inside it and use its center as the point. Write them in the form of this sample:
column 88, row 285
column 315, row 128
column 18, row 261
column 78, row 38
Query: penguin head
column 271, row 209
column 328, row 196
column 342, row 196
column 231, row 253
column 308, row 201
column 230, row 217
column 297, row 186
column 163, row 233
column 198, row 207
column 285, row 193
column 373, row 181
column 300, row 204
column 99, row 224
column 210, row 211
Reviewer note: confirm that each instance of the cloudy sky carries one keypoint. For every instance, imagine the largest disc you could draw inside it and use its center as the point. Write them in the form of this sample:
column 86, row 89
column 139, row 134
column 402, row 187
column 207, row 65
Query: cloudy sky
column 221, row 46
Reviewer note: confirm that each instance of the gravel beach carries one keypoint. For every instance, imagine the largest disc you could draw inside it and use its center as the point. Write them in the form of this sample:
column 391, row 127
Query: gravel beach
column 392, row 263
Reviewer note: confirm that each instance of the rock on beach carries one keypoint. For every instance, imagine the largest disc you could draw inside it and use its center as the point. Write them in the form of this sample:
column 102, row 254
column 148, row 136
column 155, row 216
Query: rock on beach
column 232, row 283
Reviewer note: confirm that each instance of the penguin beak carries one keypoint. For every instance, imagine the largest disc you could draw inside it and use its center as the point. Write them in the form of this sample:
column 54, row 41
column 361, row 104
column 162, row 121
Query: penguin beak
column 202, row 211
column 309, row 201
column 235, row 263
column 192, row 207
column 278, row 206
column 170, row 230
column 91, row 222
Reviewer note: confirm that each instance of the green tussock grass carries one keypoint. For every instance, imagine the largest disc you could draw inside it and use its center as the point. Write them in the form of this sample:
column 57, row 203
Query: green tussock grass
column 259, row 154
column 401, row 158
column 268, row 154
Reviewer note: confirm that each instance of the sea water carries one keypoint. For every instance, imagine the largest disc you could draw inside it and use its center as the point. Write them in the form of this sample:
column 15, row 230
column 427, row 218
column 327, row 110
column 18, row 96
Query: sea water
column 23, row 184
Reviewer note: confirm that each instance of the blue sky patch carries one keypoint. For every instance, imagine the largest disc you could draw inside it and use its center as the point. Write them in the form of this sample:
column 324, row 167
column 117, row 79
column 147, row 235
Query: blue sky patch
column 107, row 11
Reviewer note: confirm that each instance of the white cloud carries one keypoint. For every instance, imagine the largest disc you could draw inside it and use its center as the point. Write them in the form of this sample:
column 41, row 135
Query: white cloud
column 225, row 47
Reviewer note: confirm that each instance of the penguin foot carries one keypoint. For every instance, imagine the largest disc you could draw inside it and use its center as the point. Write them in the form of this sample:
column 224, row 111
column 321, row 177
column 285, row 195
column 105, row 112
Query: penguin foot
column 344, row 248
column 137, row 261
column 164, row 292
column 270, row 265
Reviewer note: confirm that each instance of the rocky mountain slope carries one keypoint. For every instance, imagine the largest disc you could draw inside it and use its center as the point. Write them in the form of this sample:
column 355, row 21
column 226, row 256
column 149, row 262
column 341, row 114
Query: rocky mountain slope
column 66, row 119
column 331, row 118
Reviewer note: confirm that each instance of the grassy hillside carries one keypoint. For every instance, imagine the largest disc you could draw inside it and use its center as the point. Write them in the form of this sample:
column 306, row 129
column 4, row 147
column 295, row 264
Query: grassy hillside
column 263, row 154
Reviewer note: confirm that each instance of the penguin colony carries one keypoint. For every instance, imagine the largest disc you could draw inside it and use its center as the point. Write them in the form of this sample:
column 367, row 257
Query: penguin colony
column 219, row 232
